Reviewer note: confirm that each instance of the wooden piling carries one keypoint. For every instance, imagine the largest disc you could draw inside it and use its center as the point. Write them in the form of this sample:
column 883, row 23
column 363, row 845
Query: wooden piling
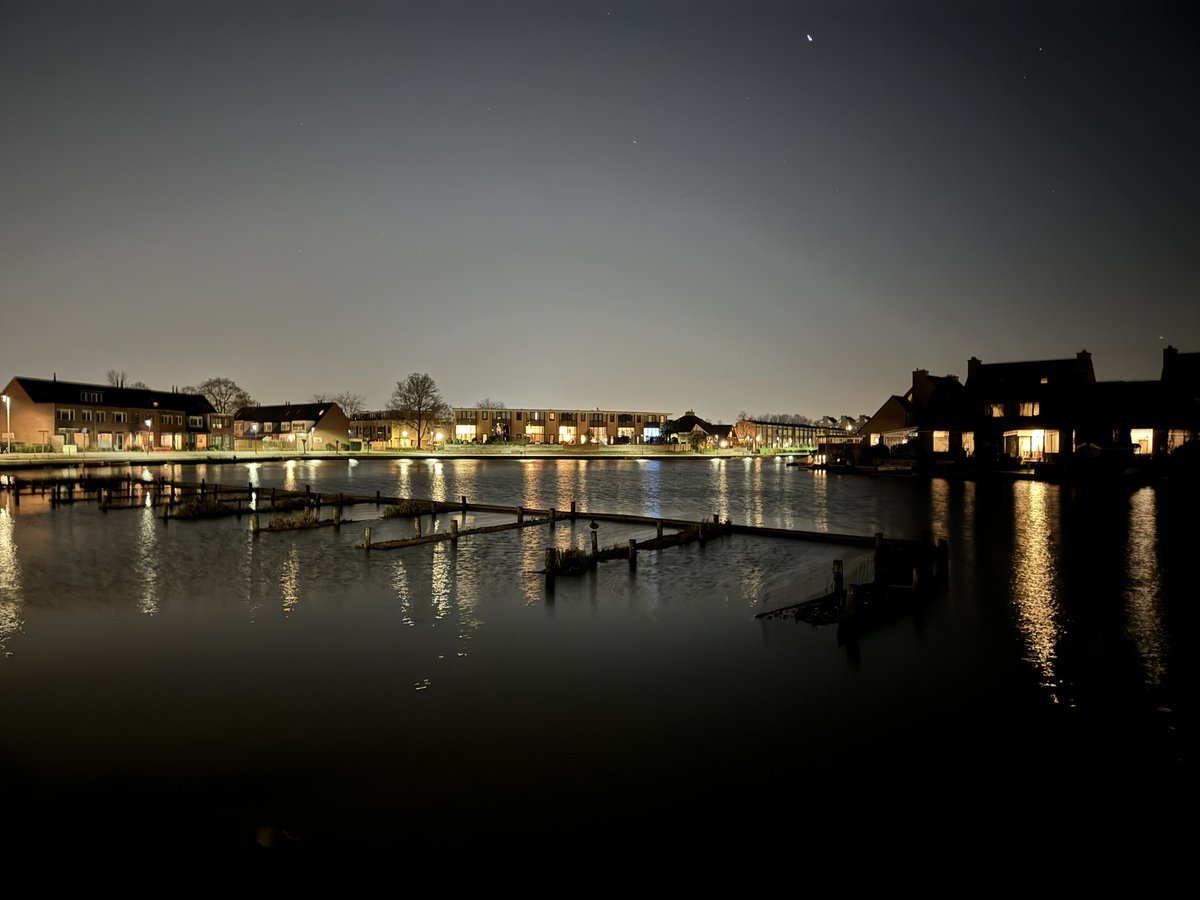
column 520, row 514
column 417, row 526
column 632, row 554
column 839, row 578
column 464, row 502
column 658, row 529
column 716, row 518
column 595, row 543
column 377, row 500
column 553, row 515
column 454, row 531
column 551, row 566
column 254, row 527
column 572, row 510
column 367, row 538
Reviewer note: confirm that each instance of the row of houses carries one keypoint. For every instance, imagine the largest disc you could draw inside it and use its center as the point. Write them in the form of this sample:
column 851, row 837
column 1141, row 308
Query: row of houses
column 1037, row 412
column 67, row 416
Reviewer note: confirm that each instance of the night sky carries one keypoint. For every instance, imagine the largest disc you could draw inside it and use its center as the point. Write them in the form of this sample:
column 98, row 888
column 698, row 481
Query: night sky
column 776, row 207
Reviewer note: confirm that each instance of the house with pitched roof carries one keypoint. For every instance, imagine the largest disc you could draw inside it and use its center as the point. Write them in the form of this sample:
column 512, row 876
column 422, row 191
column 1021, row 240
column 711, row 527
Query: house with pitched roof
column 71, row 416
column 300, row 426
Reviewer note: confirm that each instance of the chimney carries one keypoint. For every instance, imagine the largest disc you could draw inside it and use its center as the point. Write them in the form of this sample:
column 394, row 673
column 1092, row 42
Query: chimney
column 973, row 365
column 1169, row 356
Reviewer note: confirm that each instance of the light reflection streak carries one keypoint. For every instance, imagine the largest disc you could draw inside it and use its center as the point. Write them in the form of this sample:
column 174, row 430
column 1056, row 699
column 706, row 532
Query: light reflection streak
column 404, row 479
column 756, row 491
column 442, row 581
column 1035, row 579
column 1143, row 604
column 820, row 504
column 722, row 490
column 10, row 581
column 289, row 580
column 289, row 475
column 939, row 506
column 147, row 561
column 403, row 594
column 437, row 485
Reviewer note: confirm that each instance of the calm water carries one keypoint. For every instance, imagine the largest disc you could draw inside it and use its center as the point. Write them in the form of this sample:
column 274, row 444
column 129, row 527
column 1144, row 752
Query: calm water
column 190, row 686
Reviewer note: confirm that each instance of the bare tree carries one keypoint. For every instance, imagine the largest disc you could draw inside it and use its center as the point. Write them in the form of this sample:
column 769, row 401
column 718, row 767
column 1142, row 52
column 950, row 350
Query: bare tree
column 418, row 401
column 116, row 378
column 349, row 402
column 223, row 393
column 489, row 403
column 352, row 404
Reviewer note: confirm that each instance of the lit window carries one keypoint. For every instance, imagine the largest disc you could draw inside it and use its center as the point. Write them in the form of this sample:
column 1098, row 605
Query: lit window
column 1033, row 408
column 941, row 442
column 1143, row 438
column 995, row 410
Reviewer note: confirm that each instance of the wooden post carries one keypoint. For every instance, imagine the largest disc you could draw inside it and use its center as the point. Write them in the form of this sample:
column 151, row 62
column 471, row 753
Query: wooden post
column 658, row 529
column 417, row 526
column 839, row 578
column 572, row 510
column 520, row 514
column 595, row 543
column 272, row 497
column 17, row 492
column 943, row 557
column 203, row 486
column 464, row 502
column 553, row 515
column 632, row 554
column 337, row 517
column 367, row 538
column 851, row 600
column 716, row 518
column 453, row 532
column 551, row 566
column 254, row 527
column 377, row 500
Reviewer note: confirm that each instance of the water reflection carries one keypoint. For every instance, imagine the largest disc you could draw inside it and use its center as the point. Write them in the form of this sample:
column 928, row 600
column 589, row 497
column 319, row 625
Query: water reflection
column 289, row 580
column 820, row 500
column 147, row 560
column 939, row 507
column 722, row 490
column 403, row 478
column 403, row 594
column 437, row 485
column 10, row 580
column 1143, row 605
column 1035, row 578
column 289, row 476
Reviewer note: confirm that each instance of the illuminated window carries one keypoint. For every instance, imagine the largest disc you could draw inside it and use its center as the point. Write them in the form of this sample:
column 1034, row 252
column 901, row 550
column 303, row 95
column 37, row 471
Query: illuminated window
column 995, row 410
column 1176, row 438
column 465, row 432
column 268, row 427
column 941, row 442
column 1033, row 408
column 1143, row 438
column 1045, row 380
column 968, row 443
column 66, row 415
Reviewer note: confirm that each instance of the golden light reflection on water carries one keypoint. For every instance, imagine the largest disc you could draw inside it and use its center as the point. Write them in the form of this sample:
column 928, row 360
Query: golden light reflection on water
column 289, row 475
column 442, row 580
column 1035, row 578
column 147, row 561
column 820, row 504
column 289, row 580
column 722, row 490
column 1143, row 604
column 437, row 483
column 10, row 581
column 939, row 506
column 404, row 478
column 531, row 476
column 756, row 491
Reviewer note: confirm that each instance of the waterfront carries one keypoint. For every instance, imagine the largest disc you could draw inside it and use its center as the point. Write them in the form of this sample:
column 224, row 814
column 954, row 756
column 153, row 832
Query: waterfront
column 196, row 678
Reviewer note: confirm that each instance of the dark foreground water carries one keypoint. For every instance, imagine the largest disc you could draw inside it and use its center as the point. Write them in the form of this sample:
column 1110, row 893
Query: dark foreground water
column 196, row 693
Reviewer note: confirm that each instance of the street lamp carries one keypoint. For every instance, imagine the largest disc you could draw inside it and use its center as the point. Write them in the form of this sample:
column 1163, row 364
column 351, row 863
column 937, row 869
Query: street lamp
column 8, row 420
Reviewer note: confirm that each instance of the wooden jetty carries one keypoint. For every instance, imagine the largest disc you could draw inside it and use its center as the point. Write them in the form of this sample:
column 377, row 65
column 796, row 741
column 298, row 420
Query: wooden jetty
column 899, row 566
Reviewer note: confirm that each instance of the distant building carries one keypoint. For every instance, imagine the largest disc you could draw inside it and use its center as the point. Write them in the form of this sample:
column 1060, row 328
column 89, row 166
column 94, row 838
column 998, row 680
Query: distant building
column 557, row 425
column 69, row 416
column 807, row 437
column 713, row 434
column 300, row 426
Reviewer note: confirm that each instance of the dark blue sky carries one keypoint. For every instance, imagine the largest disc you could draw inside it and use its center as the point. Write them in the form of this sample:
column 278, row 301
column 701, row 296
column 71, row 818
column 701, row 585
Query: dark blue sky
column 651, row 204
